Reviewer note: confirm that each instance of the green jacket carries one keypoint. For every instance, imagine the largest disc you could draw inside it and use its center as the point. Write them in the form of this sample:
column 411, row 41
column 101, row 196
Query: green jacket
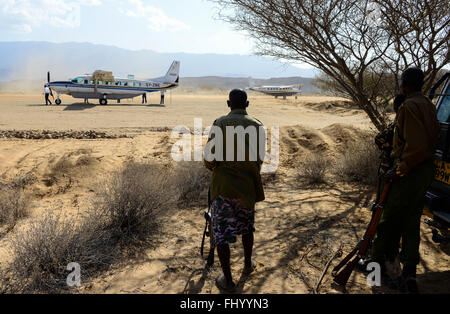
column 232, row 178
column 416, row 132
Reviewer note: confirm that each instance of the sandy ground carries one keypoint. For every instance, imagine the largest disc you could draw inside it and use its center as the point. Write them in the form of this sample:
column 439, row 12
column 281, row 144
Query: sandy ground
column 29, row 112
column 299, row 227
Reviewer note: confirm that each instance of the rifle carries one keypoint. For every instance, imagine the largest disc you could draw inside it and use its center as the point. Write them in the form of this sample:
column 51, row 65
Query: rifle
column 341, row 277
column 208, row 232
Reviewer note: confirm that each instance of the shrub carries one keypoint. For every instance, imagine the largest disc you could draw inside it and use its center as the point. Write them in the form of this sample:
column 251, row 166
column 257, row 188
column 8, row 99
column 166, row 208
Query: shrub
column 359, row 163
column 14, row 204
column 43, row 251
column 191, row 180
column 314, row 169
column 125, row 213
column 134, row 197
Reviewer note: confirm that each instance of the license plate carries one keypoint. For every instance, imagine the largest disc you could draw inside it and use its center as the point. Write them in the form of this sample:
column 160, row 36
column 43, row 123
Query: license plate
column 443, row 172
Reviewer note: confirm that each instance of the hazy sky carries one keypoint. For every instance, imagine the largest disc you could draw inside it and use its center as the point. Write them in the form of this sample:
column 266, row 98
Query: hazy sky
column 160, row 25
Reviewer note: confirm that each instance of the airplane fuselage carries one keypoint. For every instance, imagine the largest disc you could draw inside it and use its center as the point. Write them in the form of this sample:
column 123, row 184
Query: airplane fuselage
column 84, row 87
column 277, row 91
column 103, row 85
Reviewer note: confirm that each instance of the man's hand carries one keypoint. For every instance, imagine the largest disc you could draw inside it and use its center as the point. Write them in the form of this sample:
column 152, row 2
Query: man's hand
column 394, row 174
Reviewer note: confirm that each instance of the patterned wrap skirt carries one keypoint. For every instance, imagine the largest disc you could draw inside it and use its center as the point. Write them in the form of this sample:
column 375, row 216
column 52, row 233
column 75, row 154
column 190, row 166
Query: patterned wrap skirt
column 230, row 218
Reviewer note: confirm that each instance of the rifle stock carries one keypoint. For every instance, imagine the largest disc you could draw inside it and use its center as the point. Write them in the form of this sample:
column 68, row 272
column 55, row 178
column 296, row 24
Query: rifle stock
column 342, row 277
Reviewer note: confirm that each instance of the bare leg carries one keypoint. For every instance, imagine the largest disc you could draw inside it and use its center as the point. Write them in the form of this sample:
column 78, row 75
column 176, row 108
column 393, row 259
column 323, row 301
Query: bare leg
column 223, row 250
column 247, row 242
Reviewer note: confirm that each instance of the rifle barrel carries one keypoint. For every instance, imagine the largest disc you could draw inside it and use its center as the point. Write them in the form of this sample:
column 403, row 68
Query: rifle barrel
column 341, row 277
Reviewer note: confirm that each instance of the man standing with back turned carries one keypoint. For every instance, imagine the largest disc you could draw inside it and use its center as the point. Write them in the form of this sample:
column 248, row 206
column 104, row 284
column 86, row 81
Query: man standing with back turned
column 415, row 137
column 236, row 182
column 47, row 93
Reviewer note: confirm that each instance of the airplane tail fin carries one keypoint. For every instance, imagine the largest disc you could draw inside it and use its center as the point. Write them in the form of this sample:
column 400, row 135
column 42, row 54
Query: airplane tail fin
column 251, row 82
column 173, row 75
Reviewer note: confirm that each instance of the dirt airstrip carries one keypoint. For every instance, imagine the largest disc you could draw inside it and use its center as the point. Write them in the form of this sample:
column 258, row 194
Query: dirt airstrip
column 299, row 227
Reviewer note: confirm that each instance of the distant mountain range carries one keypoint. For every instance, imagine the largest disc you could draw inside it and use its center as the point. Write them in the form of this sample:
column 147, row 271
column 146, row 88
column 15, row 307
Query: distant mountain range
column 32, row 60
column 24, row 66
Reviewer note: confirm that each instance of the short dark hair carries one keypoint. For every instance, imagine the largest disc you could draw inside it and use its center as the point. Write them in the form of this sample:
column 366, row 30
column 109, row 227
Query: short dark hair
column 414, row 78
column 238, row 99
column 398, row 101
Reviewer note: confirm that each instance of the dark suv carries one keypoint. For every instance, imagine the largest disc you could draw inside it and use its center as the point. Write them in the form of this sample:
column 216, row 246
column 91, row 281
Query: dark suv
column 437, row 205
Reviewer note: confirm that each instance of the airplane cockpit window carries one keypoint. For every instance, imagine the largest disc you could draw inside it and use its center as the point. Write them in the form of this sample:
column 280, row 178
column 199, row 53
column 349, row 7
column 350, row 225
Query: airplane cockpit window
column 78, row 80
column 444, row 108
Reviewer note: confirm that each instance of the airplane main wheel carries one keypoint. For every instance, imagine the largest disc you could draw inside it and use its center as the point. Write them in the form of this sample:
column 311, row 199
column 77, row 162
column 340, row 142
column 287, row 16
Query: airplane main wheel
column 103, row 102
column 58, row 102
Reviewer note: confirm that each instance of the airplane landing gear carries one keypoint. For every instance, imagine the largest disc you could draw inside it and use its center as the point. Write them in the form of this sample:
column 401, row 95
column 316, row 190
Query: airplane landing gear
column 58, row 101
column 103, row 102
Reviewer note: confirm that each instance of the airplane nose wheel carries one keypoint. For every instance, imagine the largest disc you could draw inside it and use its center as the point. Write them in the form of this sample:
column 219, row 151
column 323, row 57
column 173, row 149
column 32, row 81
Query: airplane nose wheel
column 58, row 101
column 103, row 102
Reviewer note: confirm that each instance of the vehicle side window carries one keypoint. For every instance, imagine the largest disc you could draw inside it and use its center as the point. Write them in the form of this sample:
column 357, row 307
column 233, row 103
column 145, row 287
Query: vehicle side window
column 100, row 82
column 91, row 82
column 444, row 107
column 125, row 84
column 86, row 81
column 118, row 84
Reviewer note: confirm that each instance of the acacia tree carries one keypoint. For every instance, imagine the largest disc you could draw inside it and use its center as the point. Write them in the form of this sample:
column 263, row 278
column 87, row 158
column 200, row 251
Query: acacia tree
column 421, row 33
column 360, row 45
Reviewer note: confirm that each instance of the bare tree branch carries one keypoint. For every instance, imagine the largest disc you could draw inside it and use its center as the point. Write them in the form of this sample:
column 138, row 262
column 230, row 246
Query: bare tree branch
column 359, row 45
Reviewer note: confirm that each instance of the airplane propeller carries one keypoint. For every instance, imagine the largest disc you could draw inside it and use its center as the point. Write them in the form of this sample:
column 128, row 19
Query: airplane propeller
column 48, row 77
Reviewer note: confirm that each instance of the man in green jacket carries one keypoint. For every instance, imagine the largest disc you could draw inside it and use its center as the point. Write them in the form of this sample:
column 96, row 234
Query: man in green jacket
column 415, row 137
column 235, row 152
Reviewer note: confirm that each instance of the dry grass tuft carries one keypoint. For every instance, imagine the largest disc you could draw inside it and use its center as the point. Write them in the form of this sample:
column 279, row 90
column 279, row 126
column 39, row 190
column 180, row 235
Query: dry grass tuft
column 314, row 169
column 14, row 205
column 191, row 180
column 125, row 215
column 359, row 163
column 43, row 251
column 133, row 198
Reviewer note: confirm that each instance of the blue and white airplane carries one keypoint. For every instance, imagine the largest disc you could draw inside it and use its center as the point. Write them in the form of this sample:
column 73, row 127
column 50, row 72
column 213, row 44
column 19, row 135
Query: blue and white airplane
column 103, row 86
column 277, row 91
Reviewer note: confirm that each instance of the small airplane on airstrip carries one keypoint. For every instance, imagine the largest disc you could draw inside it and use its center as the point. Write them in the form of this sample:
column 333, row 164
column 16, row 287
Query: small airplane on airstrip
column 104, row 86
column 277, row 91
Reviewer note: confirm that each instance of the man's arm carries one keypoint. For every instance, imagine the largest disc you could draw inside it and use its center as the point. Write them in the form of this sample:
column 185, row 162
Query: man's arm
column 413, row 131
column 210, row 164
column 261, row 145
